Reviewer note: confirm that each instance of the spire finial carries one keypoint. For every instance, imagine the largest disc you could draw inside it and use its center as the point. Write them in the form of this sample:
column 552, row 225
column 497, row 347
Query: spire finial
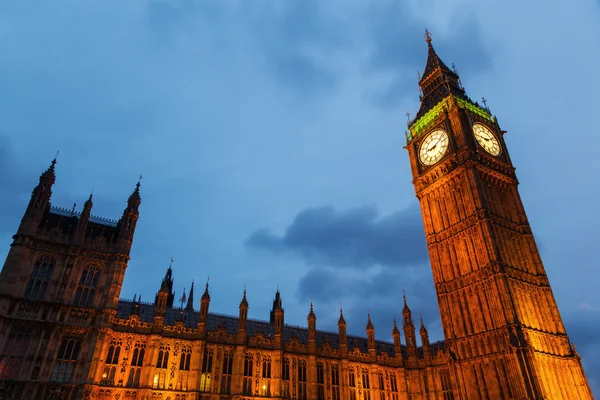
column 427, row 36
column 404, row 295
column 138, row 182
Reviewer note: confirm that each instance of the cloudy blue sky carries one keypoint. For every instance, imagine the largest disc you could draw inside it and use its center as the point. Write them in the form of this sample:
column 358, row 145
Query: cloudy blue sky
column 270, row 135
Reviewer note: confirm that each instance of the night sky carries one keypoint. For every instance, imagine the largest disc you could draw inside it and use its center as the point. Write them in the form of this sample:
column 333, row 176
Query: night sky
column 270, row 138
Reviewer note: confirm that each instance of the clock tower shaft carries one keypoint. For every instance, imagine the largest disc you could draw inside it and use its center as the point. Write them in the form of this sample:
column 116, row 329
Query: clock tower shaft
column 498, row 313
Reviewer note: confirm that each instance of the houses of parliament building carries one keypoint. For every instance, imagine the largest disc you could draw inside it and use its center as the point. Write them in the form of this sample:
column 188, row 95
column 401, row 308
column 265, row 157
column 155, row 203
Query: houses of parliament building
column 66, row 334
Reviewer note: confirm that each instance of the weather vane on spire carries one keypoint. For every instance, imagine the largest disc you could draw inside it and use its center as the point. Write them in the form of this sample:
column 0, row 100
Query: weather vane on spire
column 427, row 36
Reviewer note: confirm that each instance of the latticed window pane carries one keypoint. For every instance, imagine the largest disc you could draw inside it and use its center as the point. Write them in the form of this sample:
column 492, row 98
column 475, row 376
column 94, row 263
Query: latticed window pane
column 40, row 276
column 84, row 295
column 13, row 354
column 66, row 358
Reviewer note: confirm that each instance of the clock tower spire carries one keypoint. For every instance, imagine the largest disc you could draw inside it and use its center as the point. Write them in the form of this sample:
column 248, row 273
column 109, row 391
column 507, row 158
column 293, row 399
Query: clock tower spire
column 499, row 316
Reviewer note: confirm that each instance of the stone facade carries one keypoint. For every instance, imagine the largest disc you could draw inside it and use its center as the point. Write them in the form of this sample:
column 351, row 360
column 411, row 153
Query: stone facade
column 65, row 334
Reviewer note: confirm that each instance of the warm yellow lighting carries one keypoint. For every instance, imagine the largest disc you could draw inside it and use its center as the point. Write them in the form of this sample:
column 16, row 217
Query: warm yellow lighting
column 264, row 387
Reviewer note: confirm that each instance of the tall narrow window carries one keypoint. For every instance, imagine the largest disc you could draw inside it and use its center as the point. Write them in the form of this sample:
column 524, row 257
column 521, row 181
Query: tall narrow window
column 227, row 372
column 393, row 385
column 184, row 367
column 205, row 378
column 320, row 381
column 40, row 276
column 352, row 383
column 248, row 364
column 163, row 356
column 285, row 377
column 381, row 384
column 136, row 362
column 13, row 354
column 64, row 365
column 301, row 380
column 184, row 360
column 266, row 374
column 335, row 382
column 366, row 384
column 114, row 350
column 446, row 385
column 84, row 296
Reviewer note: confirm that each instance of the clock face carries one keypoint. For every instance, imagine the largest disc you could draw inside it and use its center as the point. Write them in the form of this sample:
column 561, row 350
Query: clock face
column 486, row 139
column 433, row 147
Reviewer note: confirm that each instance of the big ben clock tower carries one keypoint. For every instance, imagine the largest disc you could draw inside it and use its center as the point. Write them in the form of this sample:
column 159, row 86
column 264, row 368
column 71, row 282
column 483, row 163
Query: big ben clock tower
column 500, row 320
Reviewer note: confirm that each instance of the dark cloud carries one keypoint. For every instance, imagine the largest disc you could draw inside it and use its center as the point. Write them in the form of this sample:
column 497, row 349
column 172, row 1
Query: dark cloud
column 355, row 238
column 397, row 50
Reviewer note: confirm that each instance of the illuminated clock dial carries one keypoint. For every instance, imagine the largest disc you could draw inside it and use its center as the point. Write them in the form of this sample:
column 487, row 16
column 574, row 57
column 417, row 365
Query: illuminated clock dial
column 433, row 147
column 486, row 139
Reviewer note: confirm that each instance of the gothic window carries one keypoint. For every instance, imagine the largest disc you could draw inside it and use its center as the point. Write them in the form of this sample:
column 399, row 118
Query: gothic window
column 446, row 385
column 320, row 381
column 248, row 364
column 84, row 296
column 285, row 376
column 159, row 380
column 227, row 372
column 163, row 356
column 108, row 376
column 266, row 374
column 381, row 383
column 301, row 380
column 134, row 377
column 114, row 350
column 184, row 360
column 335, row 382
column 393, row 386
column 205, row 378
column 138, row 354
column 66, row 357
column 366, row 384
column 40, row 276
column 352, row 383
column 14, row 352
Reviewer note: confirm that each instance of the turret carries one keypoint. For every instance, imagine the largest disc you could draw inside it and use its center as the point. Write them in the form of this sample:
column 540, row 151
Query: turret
column 166, row 287
column 312, row 330
column 409, row 330
column 39, row 202
column 203, row 315
column 277, row 314
column 243, row 318
column 370, row 332
column 397, row 342
column 190, row 299
column 424, row 339
column 83, row 220
column 128, row 221
column 342, row 332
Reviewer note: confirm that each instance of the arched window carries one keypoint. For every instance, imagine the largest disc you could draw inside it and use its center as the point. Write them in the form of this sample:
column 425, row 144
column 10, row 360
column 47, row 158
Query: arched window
column 184, row 360
column 335, row 382
column 114, row 350
column 205, row 378
column 266, row 374
column 352, row 383
column 366, row 384
column 14, row 352
column 138, row 354
column 84, row 296
column 40, row 276
column 285, row 376
column 301, row 379
column 320, row 381
column 66, row 358
column 163, row 356
column 227, row 372
column 248, row 364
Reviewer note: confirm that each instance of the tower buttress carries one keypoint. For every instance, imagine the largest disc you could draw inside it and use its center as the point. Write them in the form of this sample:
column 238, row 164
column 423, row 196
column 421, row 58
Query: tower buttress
column 277, row 314
column 397, row 341
column 424, row 339
column 83, row 220
column 129, row 219
column 312, row 330
column 203, row 315
column 190, row 299
column 371, row 337
column 342, row 333
column 409, row 330
column 243, row 318
column 39, row 202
